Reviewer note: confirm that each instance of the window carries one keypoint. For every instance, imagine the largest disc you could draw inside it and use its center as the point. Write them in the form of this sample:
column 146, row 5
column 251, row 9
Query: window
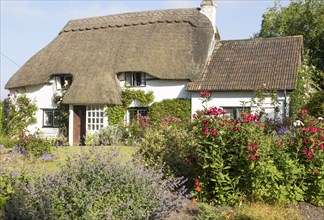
column 135, row 79
column 66, row 79
column 133, row 112
column 63, row 80
column 50, row 118
column 235, row 112
column 95, row 118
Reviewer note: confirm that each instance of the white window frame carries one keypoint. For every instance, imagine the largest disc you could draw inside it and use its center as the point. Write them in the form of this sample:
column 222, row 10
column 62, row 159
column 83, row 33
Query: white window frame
column 95, row 119
column 138, row 110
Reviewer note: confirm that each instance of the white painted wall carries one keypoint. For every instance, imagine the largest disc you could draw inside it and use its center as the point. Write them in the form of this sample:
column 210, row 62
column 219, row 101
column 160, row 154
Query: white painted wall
column 235, row 99
column 164, row 89
column 42, row 95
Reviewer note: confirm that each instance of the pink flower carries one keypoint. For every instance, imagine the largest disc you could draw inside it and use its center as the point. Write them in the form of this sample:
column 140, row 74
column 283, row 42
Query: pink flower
column 255, row 148
column 279, row 143
column 250, row 155
column 255, row 157
column 205, row 94
column 206, row 130
column 315, row 172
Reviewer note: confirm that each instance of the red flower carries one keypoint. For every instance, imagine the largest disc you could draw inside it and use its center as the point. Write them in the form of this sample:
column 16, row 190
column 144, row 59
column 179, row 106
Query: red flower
column 250, row 155
column 322, row 146
column 303, row 112
column 255, row 157
column 228, row 214
column 214, row 132
column 305, row 140
column 197, row 183
column 279, row 143
column 191, row 160
column 315, row 172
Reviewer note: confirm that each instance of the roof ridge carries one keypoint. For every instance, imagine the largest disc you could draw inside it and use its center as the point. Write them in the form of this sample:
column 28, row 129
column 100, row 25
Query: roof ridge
column 135, row 14
column 188, row 15
column 263, row 38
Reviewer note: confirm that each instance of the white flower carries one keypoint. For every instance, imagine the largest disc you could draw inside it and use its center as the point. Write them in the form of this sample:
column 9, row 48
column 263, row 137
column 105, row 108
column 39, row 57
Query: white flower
column 58, row 93
column 298, row 123
column 320, row 118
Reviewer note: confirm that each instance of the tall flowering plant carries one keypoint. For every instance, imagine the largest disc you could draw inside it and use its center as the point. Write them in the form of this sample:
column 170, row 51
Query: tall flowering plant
column 205, row 97
column 239, row 158
column 20, row 113
column 227, row 148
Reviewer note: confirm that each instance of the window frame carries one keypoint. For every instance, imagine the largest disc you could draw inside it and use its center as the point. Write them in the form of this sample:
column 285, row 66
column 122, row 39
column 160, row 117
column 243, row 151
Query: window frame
column 133, row 78
column 236, row 113
column 137, row 109
column 95, row 117
column 53, row 124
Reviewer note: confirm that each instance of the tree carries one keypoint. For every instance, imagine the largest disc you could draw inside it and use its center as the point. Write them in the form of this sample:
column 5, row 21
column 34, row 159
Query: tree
column 301, row 17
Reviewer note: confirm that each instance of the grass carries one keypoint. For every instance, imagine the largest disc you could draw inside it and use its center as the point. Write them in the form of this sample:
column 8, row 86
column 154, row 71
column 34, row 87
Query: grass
column 258, row 210
column 17, row 162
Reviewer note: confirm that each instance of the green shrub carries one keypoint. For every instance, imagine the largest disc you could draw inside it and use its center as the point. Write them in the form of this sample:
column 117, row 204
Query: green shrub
column 5, row 190
column 209, row 212
column 180, row 108
column 116, row 114
column 171, row 145
column 109, row 135
column 315, row 105
column 36, row 146
column 96, row 185
column 8, row 142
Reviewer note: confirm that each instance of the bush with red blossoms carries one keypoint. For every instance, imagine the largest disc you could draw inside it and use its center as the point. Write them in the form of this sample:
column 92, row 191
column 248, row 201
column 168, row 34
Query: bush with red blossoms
column 240, row 159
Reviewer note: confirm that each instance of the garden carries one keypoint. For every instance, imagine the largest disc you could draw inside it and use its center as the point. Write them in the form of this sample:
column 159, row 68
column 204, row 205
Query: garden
column 165, row 166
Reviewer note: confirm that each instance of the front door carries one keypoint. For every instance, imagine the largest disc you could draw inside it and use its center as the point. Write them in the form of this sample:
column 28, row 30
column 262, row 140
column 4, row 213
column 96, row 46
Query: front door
column 79, row 124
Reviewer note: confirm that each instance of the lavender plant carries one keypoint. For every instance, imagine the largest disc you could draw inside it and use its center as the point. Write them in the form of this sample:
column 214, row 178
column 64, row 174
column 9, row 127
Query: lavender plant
column 96, row 185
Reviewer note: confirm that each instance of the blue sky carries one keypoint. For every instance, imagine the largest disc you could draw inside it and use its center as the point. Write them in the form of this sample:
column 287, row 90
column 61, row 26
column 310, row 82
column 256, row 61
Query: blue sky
column 28, row 26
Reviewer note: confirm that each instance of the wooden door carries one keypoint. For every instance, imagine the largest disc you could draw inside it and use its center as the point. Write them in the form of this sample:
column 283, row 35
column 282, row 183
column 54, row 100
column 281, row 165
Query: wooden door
column 79, row 124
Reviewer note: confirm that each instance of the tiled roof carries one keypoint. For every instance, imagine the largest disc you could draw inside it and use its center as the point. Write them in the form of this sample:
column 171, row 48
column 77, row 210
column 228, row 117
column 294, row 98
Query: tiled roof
column 268, row 63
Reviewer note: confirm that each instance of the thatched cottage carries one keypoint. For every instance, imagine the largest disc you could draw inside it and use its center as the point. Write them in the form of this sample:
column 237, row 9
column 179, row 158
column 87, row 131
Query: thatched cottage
column 175, row 53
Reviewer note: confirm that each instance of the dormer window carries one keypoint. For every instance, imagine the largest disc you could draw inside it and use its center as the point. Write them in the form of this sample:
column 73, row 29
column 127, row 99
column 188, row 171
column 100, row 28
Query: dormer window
column 135, row 79
column 63, row 81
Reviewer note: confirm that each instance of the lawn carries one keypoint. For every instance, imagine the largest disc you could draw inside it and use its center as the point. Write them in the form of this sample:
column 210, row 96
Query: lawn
column 16, row 161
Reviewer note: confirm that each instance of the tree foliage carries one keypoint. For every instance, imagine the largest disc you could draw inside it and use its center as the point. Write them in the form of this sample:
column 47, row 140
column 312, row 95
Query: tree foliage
column 301, row 17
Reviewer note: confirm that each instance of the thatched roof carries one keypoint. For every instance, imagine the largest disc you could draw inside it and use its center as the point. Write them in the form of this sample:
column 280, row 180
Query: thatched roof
column 268, row 63
column 167, row 44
